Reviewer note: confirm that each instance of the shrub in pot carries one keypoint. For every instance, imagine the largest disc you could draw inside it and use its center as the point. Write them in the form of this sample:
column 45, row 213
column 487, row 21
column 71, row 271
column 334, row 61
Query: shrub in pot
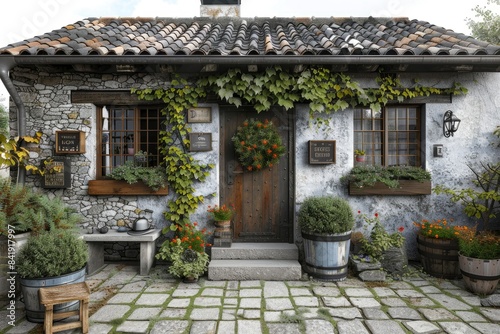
column 326, row 223
column 48, row 259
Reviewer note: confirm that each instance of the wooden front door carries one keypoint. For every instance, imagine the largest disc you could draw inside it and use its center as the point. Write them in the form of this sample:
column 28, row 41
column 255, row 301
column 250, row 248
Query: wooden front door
column 262, row 199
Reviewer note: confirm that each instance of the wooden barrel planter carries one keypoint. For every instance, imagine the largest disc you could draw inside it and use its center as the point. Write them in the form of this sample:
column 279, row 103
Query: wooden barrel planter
column 480, row 276
column 439, row 257
column 327, row 256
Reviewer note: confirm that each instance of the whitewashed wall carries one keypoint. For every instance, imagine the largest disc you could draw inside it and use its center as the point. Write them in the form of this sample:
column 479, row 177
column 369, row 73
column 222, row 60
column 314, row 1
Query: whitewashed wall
column 47, row 100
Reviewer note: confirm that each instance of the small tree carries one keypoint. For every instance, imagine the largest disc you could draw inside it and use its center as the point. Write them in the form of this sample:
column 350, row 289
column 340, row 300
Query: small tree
column 488, row 29
column 482, row 202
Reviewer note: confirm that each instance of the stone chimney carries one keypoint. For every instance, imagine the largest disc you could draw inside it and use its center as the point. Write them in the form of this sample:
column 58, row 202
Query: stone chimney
column 220, row 8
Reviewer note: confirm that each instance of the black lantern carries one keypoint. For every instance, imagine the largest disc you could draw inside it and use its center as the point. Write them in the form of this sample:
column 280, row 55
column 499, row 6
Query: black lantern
column 450, row 123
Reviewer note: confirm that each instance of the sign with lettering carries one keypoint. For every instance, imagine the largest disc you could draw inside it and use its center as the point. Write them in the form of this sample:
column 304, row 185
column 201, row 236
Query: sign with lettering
column 321, row 152
column 200, row 141
column 70, row 142
column 54, row 179
column 199, row 115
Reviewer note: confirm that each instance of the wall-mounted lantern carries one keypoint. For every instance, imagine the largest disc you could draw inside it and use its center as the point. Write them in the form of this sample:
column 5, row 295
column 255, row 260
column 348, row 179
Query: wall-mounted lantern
column 450, row 123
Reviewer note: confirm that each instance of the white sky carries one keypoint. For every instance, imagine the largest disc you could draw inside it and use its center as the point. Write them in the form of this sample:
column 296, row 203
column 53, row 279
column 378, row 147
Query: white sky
column 23, row 19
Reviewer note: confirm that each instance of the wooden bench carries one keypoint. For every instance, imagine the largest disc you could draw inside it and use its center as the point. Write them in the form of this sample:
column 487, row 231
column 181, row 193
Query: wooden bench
column 96, row 242
column 62, row 294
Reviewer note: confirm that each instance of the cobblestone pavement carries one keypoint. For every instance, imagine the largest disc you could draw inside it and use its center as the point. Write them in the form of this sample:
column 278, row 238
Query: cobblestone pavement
column 124, row 302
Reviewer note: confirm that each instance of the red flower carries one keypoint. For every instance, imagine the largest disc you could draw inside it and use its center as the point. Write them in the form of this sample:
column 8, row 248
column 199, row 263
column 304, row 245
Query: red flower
column 401, row 229
column 376, row 214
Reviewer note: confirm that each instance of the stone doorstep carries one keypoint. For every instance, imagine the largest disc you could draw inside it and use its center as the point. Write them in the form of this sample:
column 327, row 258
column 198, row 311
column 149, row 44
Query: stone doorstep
column 256, row 251
column 271, row 270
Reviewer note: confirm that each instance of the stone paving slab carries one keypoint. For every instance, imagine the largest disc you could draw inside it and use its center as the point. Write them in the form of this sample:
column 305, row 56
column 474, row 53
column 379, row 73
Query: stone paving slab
column 124, row 302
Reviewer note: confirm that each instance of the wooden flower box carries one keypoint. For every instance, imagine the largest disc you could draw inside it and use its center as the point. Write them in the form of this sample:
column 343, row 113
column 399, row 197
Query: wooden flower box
column 122, row 188
column 406, row 188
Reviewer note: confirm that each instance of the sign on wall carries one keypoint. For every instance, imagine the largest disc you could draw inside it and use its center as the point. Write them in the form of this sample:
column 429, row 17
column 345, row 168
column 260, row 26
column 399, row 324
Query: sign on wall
column 199, row 115
column 200, row 141
column 61, row 179
column 321, row 152
column 70, row 142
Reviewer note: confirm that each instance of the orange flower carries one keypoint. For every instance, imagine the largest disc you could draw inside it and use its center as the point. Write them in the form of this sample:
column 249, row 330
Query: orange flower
column 264, row 142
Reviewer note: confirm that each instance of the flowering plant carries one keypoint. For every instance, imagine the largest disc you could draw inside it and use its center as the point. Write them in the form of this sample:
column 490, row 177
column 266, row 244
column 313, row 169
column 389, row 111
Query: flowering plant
column 258, row 144
column 221, row 213
column 186, row 251
column 439, row 229
column 380, row 240
column 483, row 245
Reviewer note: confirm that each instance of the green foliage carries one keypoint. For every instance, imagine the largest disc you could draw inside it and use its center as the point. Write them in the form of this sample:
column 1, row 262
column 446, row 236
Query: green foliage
column 488, row 28
column 258, row 144
column 325, row 215
column 324, row 90
column 4, row 121
column 379, row 240
column 483, row 200
column 368, row 175
column 181, row 168
column 153, row 177
column 483, row 245
column 51, row 254
column 27, row 210
column 186, row 251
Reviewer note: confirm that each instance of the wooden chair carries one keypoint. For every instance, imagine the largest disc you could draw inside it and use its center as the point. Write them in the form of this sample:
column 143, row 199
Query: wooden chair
column 62, row 294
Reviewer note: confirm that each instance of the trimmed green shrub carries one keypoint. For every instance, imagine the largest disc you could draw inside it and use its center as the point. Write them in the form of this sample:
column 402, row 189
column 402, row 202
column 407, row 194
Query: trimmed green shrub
column 53, row 253
column 327, row 215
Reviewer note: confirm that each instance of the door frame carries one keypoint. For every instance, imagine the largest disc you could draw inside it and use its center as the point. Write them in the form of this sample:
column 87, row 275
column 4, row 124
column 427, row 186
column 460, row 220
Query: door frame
column 291, row 121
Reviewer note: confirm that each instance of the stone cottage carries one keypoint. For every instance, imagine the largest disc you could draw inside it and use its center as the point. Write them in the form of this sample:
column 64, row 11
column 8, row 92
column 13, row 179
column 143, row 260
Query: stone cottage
column 76, row 81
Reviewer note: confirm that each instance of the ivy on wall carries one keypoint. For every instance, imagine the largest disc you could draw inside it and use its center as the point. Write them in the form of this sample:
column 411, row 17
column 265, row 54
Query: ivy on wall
column 325, row 92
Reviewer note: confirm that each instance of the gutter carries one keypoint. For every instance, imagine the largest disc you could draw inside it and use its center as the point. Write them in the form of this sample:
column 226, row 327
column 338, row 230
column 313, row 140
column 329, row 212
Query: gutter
column 5, row 66
column 491, row 60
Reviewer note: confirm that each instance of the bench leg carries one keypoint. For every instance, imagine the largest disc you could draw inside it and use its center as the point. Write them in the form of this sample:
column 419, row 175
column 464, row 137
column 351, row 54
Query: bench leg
column 49, row 318
column 147, row 257
column 96, row 257
column 84, row 315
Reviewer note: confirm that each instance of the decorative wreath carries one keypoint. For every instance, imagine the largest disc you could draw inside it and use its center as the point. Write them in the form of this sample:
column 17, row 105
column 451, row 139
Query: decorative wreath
column 258, row 144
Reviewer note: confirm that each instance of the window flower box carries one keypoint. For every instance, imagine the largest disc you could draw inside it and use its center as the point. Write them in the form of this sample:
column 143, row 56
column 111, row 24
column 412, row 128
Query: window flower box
column 122, row 188
column 405, row 188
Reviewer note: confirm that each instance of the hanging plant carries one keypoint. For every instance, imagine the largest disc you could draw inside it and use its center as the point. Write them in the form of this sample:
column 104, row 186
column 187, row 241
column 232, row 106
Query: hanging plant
column 258, row 144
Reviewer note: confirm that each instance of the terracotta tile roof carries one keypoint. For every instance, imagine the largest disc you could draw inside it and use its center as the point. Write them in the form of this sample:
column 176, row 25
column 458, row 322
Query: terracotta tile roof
column 258, row 36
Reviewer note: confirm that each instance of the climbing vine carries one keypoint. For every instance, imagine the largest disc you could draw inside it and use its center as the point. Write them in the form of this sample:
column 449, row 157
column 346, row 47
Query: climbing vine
column 181, row 168
column 325, row 92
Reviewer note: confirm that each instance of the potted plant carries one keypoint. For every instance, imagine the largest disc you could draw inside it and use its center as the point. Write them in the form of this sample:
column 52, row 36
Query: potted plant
column 479, row 256
column 186, row 252
column 437, row 243
column 50, row 258
column 479, row 260
column 360, row 155
column 326, row 223
column 380, row 245
column 393, row 180
column 222, row 216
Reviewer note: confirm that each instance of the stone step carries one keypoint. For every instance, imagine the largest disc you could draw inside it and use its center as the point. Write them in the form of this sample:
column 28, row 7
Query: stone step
column 270, row 270
column 256, row 251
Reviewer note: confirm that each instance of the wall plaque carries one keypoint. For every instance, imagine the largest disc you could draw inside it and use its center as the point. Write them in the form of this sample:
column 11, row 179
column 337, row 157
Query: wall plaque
column 321, row 152
column 60, row 179
column 70, row 142
column 200, row 141
column 199, row 115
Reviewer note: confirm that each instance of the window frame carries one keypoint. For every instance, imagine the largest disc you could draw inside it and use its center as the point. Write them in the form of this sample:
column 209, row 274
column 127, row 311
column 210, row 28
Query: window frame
column 385, row 141
column 137, row 132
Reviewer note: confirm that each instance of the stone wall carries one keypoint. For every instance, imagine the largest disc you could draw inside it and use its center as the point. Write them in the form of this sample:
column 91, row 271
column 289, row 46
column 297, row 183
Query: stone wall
column 47, row 100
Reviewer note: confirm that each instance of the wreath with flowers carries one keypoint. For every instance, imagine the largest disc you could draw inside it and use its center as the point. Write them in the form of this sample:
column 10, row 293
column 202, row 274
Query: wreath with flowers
column 258, row 144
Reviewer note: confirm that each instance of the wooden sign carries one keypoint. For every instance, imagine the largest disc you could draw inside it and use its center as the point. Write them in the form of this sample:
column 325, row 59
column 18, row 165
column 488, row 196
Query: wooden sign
column 70, row 142
column 199, row 115
column 321, row 152
column 200, row 141
column 60, row 179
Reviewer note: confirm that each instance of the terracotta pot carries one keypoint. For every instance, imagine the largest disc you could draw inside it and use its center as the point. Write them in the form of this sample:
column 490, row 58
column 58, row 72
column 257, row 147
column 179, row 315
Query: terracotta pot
column 222, row 228
column 360, row 158
column 480, row 276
